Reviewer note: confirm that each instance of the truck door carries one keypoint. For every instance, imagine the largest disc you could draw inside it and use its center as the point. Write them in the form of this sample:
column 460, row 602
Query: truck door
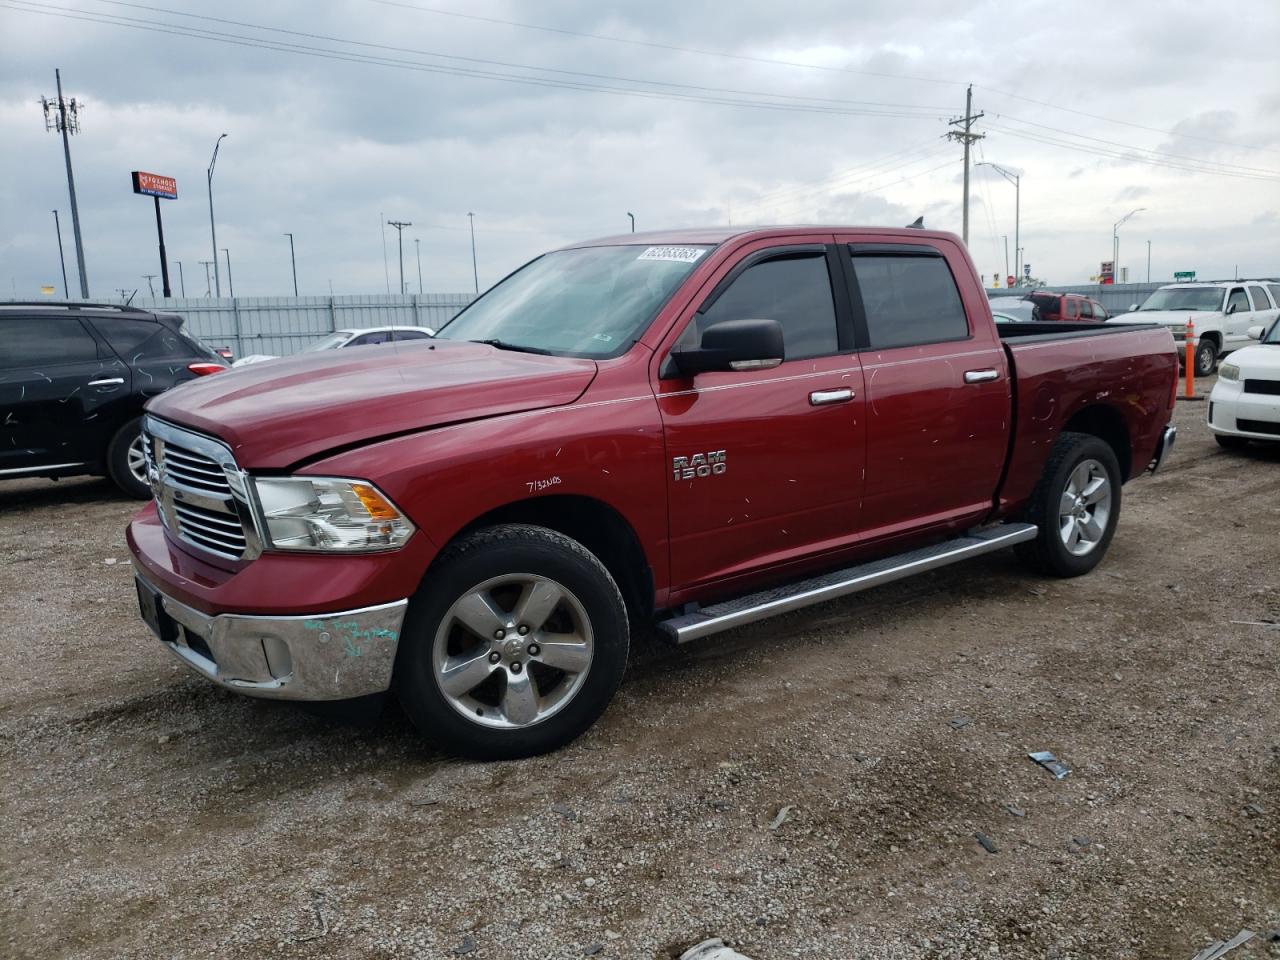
column 937, row 386
column 764, row 466
column 54, row 380
column 1237, row 321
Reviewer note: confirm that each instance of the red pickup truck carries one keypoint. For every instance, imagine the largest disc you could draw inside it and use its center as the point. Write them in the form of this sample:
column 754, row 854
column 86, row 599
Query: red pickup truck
column 695, row 429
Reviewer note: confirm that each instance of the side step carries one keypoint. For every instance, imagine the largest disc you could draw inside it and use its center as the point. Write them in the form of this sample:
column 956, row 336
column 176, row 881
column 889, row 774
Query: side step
column 829, row 586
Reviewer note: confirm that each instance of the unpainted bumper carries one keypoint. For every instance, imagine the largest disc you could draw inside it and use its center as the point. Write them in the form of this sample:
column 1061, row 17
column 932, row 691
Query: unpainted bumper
column 1167, row 440
column 328, row 656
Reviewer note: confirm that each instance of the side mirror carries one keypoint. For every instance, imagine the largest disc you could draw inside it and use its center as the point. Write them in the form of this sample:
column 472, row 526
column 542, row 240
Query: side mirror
column 1255, row 333
column 1133, row 307
column 733, row 345
column 1231, row 308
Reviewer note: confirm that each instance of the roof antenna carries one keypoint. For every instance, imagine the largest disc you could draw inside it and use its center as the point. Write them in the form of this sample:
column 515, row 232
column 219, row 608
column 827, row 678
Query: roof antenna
column 917, row 225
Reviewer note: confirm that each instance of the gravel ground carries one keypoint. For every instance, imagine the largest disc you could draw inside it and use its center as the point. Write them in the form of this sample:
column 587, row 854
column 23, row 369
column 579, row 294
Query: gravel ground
column 148, row 814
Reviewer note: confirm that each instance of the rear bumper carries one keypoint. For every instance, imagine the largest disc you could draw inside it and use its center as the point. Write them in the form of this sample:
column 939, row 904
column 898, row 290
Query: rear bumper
column 1167, row 440
column 329, row 656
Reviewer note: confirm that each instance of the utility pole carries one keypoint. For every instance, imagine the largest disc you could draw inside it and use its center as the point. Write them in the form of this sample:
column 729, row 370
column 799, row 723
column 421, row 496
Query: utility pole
column 231, row 290
column 633, row 222
column 182, row 281
column 150, row 286
column 66, row 292
column 1006, row 253
column 208, row 287
column 417, row 249
column 400, row 225
column 213, row 231
column 1016, row 180
column 967, row 137
column 1148, row 261
column 475, row 272
column 386, row 270
column 64, row 117
column 294, row 261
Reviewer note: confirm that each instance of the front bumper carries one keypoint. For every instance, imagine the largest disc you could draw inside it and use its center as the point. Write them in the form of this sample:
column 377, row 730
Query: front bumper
column 327, row 656
column 1167, row 440
column 1229, row 404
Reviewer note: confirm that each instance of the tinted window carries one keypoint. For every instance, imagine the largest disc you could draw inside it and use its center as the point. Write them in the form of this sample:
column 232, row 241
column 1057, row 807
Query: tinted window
column 909, row 300
column 1239, row 299
column 1260, row 301
column 795, row 291
column 412, row 335
column 368, row 338
column 1275, row 292
column 1086, row 310
column 44, row 341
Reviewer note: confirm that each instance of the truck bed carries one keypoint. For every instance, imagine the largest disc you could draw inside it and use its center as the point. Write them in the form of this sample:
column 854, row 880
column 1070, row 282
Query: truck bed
column 1045, row 330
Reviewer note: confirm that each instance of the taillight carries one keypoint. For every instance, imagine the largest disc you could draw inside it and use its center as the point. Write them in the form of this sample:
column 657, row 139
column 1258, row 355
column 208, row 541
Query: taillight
column 204, row 369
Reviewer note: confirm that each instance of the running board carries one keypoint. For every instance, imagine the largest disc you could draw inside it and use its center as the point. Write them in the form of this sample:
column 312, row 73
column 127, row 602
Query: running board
column 841, row 583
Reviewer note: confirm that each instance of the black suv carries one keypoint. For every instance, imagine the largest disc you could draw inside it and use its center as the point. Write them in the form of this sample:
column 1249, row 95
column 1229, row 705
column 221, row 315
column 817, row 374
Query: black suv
column 73, row 379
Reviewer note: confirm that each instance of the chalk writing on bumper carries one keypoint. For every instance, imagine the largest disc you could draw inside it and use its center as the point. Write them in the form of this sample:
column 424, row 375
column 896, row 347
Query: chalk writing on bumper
column 328, row 656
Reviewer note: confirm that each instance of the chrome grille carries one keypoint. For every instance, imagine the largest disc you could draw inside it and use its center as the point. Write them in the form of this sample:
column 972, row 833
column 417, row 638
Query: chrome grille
column 200, row 491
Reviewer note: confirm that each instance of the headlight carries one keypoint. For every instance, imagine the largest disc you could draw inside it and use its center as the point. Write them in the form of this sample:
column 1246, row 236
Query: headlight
column 1228, row 371
column 1179, row 333
column 329, row 514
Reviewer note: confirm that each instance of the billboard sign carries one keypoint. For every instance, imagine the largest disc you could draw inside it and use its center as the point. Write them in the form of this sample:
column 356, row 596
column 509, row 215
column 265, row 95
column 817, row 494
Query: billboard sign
column 155, row 185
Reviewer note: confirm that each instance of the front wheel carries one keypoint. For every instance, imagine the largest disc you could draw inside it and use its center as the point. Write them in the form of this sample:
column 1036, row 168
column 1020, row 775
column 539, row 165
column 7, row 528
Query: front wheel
column 1076, row 506
column 1206, row 356
column 513, row 646
column 126, row 464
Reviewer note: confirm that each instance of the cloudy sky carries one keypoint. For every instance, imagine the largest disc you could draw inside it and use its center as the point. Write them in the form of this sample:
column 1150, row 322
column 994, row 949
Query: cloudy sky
column 551, row 121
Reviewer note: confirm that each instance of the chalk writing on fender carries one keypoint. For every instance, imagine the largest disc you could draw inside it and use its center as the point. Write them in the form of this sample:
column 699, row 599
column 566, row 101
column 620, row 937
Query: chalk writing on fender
column 536, row 486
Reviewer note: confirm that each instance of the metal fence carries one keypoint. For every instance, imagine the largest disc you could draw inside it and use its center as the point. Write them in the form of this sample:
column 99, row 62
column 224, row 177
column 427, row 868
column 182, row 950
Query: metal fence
column 1116, row 297
column 283, row 325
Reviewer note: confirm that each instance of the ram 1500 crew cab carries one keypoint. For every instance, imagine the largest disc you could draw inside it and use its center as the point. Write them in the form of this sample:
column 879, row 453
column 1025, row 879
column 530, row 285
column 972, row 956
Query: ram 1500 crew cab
column 695, row 429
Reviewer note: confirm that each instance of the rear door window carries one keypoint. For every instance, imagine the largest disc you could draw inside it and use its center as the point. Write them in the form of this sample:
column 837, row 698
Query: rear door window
column 137, row 341
column 34, row 342
column 794, row 290
column 365, row 339
column 909, row 300
column 1086, row 310
column 1259, row 296
column 1275, row 292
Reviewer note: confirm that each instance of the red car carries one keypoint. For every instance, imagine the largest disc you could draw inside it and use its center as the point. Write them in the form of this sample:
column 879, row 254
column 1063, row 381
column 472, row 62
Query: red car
column 697, row 429
column 1067, row 306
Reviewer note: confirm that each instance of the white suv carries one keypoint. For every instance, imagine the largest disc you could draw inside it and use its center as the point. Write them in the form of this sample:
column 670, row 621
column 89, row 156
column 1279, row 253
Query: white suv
column 1222, row 311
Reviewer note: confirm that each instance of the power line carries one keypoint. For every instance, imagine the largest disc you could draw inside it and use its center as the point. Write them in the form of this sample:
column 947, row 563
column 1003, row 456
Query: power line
column 834, row 180
column 199, row 33
column 906, row 179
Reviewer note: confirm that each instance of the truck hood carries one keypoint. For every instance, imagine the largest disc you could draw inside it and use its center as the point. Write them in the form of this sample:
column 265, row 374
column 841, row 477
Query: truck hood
column 1167, row 318
column 273, row 415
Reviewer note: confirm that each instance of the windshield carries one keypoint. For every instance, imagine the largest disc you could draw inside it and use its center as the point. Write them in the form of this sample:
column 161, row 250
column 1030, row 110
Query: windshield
column 1184, row 298
column 587, row 302
column 329, row 343
column 1272, row 335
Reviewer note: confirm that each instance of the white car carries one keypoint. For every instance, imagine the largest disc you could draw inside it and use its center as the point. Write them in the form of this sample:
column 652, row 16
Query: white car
column 1245, row 402
column 1222, row 311
column 352, row 337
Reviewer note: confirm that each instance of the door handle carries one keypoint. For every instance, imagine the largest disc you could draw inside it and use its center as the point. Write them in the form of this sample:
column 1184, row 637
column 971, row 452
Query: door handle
column 822, row 397
column 109, row 382
column 981, row 376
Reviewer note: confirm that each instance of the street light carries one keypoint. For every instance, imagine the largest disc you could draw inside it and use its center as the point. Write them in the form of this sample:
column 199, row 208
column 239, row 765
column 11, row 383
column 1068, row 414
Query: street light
column 231, row 287
column 633, row 222
column 417, row 250
column 293, row 260
column 213, row 232
column 475, row 272
column 1016, row 180
column 1115, row 243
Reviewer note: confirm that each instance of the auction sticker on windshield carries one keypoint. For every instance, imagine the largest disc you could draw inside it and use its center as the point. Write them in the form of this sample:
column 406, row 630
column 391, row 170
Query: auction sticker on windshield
column 674, row 254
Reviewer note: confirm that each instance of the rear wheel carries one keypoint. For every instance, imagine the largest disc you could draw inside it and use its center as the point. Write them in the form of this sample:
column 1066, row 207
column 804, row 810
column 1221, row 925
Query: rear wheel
column 126, row 464
column 1076, row 506
column 514, row 645
column 1228, row 442
column 1206, row 357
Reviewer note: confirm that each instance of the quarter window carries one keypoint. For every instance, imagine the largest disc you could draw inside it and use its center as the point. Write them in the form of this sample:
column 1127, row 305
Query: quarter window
column 1086, row 310
column 795, row 291
column 44, row 341
column 909, row 300
column 1275, row 292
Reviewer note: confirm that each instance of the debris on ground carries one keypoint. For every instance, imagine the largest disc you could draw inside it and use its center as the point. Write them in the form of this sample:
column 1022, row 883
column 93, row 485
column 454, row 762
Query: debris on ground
column 713, row 949
column 563, row 810
column 468, row 945
column 1218, row 947
column 959, row 723
column 1050, row 763
column 988, row 844
column 1265, row 624
column 424, row 802
column 1082, row 841
column 592, row 950
column 1254, row 810
column 783, row 816
column 1016, row 811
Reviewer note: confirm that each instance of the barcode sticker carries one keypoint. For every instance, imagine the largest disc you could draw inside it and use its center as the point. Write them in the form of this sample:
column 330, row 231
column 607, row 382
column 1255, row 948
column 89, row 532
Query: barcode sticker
column 674, row 254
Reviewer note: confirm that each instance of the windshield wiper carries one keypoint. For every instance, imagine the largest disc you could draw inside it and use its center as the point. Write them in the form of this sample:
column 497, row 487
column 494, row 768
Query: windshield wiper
column 516, row 347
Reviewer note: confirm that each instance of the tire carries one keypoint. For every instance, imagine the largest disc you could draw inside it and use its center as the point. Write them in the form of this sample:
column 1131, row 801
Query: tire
column 1075, row 463
column 508, row 695
column 1206, row 357
column 124, row 460
column 1228, row 442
